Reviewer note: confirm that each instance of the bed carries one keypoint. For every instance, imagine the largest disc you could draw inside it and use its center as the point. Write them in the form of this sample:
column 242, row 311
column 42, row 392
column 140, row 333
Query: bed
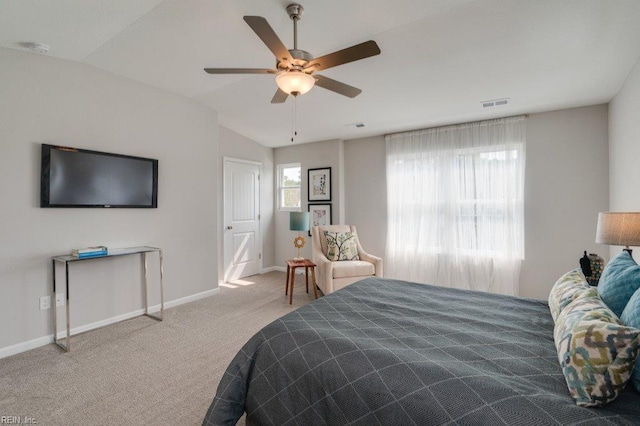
column 383, row 351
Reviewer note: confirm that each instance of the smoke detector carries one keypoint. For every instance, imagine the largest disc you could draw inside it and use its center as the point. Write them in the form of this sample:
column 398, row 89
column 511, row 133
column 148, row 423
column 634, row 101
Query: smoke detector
column 38, row 47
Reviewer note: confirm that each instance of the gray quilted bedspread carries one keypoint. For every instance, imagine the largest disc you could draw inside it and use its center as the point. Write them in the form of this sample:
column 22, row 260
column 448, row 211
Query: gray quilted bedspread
column 386, row 352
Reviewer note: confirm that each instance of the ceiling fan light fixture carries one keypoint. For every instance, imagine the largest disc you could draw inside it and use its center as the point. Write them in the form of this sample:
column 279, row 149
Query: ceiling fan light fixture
column 295, row 82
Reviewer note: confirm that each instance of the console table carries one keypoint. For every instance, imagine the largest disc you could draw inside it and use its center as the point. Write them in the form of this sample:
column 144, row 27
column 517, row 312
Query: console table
column 68, row 259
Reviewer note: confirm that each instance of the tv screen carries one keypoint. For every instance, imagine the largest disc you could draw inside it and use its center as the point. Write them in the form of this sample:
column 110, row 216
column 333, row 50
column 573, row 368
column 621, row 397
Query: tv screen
column 73, row 177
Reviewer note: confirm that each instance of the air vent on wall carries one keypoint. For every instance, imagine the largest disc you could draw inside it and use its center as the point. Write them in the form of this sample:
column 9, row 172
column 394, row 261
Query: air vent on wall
column 495, row 102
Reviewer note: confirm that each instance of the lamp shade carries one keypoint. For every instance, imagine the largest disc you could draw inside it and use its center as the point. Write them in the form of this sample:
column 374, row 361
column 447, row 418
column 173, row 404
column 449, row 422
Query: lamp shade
column 618, row 228
column 295, row 82
column 299, row 221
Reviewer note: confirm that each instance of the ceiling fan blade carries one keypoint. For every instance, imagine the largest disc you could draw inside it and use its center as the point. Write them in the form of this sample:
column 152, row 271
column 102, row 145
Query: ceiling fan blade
column 263, row 30
column 336, row 86
column 279, row 97
column 344, row 56
column 240, row 71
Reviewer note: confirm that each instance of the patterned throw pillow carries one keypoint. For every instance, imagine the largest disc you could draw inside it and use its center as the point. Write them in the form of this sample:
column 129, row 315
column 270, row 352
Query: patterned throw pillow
column 568, row 287
column 631, row 317
column 596, row 352
column 341, row 246
column 619, row 280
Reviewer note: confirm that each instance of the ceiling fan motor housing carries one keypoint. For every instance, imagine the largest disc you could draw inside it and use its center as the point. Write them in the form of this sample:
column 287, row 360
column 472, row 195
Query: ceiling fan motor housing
column 300, row 59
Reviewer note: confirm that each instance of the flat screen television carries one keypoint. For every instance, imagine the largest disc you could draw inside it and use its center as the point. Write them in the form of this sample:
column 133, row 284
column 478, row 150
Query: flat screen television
column 72, row 177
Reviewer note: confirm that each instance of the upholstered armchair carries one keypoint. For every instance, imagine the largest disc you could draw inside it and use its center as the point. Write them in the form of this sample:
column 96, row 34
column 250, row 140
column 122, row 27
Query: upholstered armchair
column 333, row 275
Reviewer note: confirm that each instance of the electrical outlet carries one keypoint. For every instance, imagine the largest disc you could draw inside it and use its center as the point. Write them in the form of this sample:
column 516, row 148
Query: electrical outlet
column 60, row 299
column 45, row 303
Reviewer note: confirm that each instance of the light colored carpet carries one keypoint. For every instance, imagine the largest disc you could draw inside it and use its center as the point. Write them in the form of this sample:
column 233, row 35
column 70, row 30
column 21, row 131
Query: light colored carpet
column 141, row 371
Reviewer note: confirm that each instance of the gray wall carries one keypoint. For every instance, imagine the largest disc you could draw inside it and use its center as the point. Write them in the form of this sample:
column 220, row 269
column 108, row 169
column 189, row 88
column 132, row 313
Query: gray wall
column 366, row 191
column 566, row 186
column 310, row 156
column 624, row 147
column 47, row 100
column 232, row 144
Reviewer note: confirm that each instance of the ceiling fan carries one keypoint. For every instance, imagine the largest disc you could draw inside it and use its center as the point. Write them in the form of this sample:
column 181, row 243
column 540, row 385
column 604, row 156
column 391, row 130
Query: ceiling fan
column 295, row 67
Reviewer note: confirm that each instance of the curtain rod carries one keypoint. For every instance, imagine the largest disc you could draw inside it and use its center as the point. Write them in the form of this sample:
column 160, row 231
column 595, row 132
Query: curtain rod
column 457, row 124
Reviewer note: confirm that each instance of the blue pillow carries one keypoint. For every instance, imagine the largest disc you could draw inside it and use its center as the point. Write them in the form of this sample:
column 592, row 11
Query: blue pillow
column 631, row 317
column 619, row 280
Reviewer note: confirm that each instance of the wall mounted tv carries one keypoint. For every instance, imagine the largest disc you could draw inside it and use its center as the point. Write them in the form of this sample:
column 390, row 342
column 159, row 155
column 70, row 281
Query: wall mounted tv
column 73, row 177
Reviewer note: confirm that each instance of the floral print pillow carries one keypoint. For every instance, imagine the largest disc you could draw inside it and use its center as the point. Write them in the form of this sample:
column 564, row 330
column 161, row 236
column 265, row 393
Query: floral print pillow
column 341, row 246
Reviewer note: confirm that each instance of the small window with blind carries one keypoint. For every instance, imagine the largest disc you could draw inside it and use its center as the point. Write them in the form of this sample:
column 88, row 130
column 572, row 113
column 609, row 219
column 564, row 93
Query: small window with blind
column 289, row 187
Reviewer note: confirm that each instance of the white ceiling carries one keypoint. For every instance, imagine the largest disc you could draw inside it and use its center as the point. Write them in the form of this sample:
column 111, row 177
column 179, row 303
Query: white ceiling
column 439, row 60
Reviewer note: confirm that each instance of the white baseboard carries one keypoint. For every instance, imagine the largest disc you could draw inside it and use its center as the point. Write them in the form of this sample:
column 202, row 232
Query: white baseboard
column 101, row 323
column 188, row 299
column 45, row 340
column 25, row 346
column 299, row 271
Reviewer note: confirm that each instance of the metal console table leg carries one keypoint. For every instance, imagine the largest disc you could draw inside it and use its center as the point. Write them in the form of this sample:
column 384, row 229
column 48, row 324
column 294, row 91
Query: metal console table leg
column 67, row 341
column 146, row 288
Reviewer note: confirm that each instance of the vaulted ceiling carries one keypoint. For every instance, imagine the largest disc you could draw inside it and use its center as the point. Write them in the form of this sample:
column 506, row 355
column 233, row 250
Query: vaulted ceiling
column 440, row 58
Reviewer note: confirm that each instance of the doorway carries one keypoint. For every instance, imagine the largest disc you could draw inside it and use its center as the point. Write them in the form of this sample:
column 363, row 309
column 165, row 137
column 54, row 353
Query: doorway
column 242, row 240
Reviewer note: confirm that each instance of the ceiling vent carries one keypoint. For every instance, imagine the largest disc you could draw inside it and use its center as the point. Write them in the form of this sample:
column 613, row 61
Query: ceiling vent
column 495, row 102
column 38, row 47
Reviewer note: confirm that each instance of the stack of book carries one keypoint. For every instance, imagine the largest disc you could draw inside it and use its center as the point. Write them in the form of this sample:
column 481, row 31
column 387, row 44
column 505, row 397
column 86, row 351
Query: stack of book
column 90, row 252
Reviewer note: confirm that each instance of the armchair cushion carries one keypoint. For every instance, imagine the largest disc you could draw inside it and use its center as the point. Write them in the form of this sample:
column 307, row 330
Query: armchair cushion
column 353, row 268
column 341, row 246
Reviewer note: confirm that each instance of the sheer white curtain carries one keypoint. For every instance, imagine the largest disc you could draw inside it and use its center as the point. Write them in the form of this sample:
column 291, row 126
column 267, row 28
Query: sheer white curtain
column 455, row 205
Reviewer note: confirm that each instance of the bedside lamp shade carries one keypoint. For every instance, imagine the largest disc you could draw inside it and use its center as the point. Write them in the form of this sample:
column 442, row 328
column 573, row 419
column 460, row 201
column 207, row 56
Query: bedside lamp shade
column 299, row 221
column 618, row 229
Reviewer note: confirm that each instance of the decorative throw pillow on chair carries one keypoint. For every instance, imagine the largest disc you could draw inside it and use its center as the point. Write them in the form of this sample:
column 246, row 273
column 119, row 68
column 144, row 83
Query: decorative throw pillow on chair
column 341, row 246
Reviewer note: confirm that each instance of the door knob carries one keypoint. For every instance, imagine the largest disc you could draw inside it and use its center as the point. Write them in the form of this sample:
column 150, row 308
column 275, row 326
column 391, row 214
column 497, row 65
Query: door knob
column 229, row 227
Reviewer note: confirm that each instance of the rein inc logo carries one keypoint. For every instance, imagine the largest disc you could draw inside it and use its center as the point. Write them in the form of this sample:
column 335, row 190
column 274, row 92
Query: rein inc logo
column 17, row 420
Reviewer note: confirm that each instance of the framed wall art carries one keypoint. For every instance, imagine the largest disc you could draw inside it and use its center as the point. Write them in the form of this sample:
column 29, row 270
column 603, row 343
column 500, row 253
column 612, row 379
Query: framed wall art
column 319, row 181
column 319, row 215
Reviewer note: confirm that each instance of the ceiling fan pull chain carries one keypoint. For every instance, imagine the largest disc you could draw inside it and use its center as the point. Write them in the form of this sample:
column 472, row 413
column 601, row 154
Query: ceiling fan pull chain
column 293, row 118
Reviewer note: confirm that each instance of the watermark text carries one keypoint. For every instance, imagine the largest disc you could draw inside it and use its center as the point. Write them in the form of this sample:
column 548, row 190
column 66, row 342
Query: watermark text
column 17, row 420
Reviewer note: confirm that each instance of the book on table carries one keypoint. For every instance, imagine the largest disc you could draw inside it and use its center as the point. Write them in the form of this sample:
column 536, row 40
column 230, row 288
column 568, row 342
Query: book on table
column 90, row 252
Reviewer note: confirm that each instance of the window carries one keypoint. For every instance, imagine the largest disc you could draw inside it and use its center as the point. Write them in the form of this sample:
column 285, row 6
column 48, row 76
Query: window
column 486, row 206
column 455, row 205
column 289, row 187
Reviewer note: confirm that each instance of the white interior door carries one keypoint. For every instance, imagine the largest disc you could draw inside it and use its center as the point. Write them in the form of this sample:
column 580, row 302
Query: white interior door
column 242, row 242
